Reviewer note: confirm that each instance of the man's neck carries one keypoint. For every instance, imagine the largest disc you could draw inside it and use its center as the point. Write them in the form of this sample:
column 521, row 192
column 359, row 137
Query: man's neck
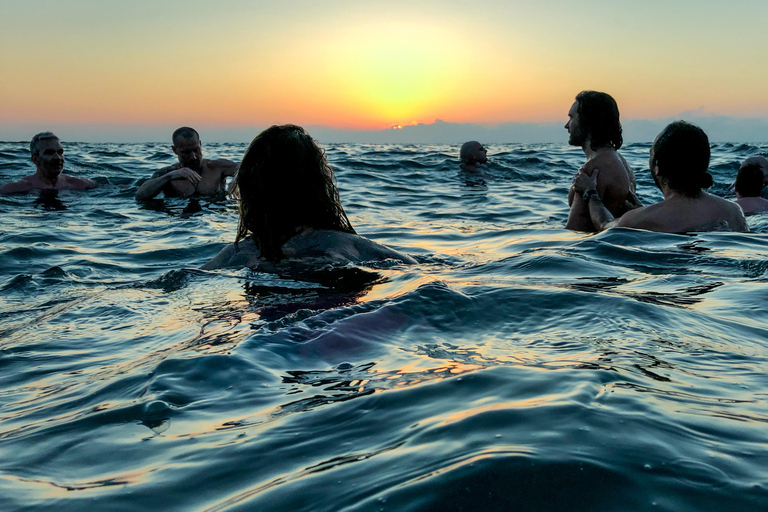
column 592, row 153
column 45, row 179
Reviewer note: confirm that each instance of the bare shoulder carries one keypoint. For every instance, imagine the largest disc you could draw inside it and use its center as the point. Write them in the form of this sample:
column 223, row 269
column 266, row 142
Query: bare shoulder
column 222, row 165
column 18, row 187
column 340, row 247
column 244, row 254
column 75, row 183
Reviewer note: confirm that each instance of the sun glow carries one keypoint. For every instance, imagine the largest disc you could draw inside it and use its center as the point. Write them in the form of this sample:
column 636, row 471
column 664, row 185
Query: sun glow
column 391, row 73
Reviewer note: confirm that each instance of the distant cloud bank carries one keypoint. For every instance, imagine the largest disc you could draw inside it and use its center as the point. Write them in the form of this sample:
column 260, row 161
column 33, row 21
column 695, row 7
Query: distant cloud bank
column 719, row 128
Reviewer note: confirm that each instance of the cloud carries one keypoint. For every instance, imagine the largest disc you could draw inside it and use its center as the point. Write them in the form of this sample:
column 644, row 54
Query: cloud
column 719, row 128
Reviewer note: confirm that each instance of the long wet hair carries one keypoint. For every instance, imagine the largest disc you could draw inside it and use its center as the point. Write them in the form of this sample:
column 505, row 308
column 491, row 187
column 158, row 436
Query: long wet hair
column 682, row 153
column 284, row 184
column 599, row 118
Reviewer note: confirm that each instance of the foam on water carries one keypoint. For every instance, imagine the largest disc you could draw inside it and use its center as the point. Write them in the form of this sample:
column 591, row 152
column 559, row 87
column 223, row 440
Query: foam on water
column 516, row 366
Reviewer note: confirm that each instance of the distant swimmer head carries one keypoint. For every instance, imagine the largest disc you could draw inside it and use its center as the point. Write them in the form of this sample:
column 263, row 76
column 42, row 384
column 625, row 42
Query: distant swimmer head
column 594, row 117
column 749, row 180
column 47, row 154
column 284, row 184
column 680, row 159
column 761, row 162
column 473, row 153
column 187, row 146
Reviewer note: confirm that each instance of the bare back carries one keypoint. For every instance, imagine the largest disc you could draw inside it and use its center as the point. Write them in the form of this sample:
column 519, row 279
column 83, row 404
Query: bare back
column 614, row 182
column 681, row 214
column 312, row 247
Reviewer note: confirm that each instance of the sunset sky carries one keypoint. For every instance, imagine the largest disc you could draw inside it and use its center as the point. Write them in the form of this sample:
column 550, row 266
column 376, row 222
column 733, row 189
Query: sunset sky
column 369, row 65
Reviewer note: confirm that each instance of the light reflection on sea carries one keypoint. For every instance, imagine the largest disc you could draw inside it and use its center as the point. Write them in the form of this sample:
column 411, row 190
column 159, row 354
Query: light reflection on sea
column 516, row 366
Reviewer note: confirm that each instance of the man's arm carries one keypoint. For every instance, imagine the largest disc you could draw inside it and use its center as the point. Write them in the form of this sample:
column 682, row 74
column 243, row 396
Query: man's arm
column 586, row 185
column 154, row 185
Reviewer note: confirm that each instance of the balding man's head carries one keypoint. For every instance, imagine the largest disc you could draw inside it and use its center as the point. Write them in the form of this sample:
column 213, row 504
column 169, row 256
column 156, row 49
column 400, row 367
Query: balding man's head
column 472, row 153
column 184, row 133
column 759, row 161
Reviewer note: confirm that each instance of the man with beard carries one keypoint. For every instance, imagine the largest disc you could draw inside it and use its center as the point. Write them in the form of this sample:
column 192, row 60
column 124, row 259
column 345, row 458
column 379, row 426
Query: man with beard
column 679, row 160
column 192, row 175
column 472, row 154
column 48, row 156
column 593, row 123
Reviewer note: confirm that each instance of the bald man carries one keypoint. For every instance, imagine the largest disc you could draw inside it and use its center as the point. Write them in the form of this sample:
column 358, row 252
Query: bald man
column 192, row 175
column 472, row 154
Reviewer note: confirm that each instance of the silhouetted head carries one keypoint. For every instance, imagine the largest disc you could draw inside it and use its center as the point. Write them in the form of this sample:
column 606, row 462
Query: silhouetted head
column 47, row 154
column 187, row 146
column 749, row 180
column 284, row 185
column 681, row 152
column 761, row 162
column 594, row 116
column 472, row 153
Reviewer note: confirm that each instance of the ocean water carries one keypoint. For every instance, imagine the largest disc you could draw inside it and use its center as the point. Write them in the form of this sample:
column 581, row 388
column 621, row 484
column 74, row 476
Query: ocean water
column 517, row 366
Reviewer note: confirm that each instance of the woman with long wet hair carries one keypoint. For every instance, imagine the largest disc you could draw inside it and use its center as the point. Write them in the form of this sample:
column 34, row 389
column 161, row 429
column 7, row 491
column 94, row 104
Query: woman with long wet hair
column 290, row 209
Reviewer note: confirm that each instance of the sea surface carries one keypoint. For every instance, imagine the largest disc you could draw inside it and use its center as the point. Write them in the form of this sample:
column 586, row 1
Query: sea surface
column 516, row 366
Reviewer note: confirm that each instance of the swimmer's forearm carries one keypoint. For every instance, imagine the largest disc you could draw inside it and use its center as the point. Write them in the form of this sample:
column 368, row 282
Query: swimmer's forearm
column 601, row 217
column 152, row 187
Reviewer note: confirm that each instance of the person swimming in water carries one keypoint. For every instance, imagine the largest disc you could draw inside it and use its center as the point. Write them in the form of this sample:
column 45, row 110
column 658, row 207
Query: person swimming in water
column 678, row 162
column 594, row 125
column 290, row 210
column 192, row 175
column 749, row 183
column 47, row 154
column 472, row 154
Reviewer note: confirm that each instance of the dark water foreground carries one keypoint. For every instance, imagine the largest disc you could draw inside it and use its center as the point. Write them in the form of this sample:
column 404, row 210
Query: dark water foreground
column 518, row 366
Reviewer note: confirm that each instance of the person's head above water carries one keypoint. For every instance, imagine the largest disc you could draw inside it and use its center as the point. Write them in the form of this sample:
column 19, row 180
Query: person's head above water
column 47, row 154
column 749, row 180
column 472, row 153
column 186, row 145
column 680, row 158
column 285, row 185
column 594, row 117
column 761, row 162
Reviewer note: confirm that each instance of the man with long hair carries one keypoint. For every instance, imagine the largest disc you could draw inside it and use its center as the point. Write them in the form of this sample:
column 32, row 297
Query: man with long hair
column 290, row 209
column 593, row 124
column 678, row 162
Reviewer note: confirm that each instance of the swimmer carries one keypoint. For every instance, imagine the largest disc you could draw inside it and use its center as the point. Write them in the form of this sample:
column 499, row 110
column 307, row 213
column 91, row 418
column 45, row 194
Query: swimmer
column 593, row 124
column 678, row 162
column 192, row 175
column 290, row 210
column 48, row 156
column 472, row 154
column 762, row 162
column 749, row 182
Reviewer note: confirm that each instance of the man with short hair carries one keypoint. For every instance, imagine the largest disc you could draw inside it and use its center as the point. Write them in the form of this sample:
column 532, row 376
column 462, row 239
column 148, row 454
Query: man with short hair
column 472, row 154
column 749, row 182
column 593, row 124
column 192, row 175
column 48, row 156
column 679, row 160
